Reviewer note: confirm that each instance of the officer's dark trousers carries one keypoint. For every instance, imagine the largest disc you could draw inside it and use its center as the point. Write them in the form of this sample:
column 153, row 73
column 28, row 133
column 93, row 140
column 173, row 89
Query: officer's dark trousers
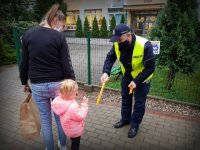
column 130, row 113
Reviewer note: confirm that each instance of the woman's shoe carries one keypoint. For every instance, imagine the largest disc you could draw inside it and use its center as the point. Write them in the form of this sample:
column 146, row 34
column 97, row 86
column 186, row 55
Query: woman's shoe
column 62, row 147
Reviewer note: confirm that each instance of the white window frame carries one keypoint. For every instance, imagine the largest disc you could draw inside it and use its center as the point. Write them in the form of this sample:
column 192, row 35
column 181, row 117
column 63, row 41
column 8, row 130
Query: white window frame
column 91, row 14
column 119, row 11
column 116, row 13
column 71, row 26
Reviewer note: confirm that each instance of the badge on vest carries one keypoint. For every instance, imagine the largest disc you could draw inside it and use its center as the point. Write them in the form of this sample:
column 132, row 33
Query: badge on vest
column 138, row 56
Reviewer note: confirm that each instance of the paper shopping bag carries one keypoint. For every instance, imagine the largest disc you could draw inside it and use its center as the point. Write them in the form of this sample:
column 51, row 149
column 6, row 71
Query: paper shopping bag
column 29, row 119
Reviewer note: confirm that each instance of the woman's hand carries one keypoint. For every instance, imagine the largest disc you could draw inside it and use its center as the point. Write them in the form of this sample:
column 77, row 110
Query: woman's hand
column 27, row 88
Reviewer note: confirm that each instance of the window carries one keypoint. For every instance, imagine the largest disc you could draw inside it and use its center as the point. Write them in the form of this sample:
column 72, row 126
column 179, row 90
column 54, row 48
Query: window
column 71, row 19
column 117, row 12
column 90, row 14
column 143, row 22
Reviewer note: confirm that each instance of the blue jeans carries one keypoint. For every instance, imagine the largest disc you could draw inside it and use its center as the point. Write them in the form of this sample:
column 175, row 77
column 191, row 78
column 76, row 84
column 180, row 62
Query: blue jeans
column 42, row 94
column 134, row 116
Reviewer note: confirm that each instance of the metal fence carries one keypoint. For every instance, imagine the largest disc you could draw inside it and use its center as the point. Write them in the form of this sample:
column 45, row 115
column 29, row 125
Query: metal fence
column 79, row 55
column 88, row 56
column 17, row 33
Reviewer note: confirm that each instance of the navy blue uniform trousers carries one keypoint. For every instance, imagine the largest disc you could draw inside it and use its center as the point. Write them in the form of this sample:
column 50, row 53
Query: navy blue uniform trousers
column 133, row 114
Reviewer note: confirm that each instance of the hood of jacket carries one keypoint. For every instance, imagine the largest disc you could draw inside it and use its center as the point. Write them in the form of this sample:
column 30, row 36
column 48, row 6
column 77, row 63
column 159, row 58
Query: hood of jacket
column 60, row 106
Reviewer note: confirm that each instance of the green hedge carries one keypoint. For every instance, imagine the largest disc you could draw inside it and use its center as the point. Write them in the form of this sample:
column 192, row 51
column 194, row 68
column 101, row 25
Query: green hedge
column 7, row 53
column 7, row 47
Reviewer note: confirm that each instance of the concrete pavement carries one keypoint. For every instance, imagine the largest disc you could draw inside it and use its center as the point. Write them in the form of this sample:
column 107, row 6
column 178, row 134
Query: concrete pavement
column 158, row 130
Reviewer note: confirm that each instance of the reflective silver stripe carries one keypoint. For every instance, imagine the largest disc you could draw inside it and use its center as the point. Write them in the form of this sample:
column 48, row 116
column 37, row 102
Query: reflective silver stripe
column 148, row 59
column 125, row 32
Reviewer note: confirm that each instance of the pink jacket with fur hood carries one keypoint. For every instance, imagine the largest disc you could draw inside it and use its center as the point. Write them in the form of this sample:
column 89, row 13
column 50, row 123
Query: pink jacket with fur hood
column 71, row 114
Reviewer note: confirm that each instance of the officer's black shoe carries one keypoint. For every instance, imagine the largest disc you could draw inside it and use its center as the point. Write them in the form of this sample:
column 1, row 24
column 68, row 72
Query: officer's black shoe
column 132, row 132
column 120, row 124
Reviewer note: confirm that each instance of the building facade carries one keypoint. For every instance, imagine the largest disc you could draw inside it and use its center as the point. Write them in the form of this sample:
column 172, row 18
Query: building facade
column 140, row 15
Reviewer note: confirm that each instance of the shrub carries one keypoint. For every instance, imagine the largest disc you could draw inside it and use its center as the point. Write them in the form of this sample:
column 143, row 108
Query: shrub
column 79, row 29
column 7, row 53
column 86, row 27
column 112, row 26
column 95, row 28
column 122, row 19
column 103, row 31
column 176, row 27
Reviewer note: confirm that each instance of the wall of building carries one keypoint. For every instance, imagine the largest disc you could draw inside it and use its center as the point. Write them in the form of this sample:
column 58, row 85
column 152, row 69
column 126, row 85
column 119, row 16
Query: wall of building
column 129, row 6
column 104, row 5
column 139, row 2
column 73, row 4
column 94, row 4
column 83, row 5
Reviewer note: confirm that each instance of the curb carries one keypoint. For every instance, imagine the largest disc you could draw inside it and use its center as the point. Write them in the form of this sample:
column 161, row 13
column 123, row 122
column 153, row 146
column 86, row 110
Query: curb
column 96, row 88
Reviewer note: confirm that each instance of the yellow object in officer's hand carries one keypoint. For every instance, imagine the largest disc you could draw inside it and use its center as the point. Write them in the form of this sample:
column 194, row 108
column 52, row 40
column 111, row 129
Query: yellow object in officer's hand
column 100, row 93
column 131, row 90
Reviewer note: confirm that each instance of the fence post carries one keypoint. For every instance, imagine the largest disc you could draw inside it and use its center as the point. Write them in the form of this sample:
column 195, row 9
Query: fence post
column 17, row 44
column 89, row 62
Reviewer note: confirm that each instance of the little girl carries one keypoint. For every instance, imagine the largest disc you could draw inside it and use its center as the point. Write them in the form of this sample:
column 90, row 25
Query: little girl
column 71, row 114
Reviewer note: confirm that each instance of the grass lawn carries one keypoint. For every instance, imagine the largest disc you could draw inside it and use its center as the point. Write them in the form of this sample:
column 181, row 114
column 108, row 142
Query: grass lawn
column 186, row 87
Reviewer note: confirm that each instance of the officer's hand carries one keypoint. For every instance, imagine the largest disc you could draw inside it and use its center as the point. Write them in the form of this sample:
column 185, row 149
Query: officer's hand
column 104, row 77
column 132, row 85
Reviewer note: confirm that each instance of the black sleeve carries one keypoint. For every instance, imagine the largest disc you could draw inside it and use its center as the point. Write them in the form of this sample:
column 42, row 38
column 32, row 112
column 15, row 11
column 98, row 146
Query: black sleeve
column 66, row 61
column 110, row 60
column 149, row 64
column 24, row 64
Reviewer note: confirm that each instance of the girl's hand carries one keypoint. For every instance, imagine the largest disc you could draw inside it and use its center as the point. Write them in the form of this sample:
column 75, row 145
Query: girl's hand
column 85, row 99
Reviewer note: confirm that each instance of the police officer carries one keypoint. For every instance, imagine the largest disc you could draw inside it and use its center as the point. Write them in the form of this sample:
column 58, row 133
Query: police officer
column 137, row 64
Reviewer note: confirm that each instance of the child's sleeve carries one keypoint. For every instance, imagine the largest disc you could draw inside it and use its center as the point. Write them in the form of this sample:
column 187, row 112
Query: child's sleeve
column 58, row 106
column 80, row 113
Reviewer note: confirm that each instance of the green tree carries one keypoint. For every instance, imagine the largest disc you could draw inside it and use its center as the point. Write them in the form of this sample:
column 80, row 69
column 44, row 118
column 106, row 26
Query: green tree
column 112, row 25
column 103, row 32
column 42, row 6
column 79, row 29
column 95, row 28
column 86, row 27
column 176, row 28
column 12, row 11
column 15, row 10
column 122, row 19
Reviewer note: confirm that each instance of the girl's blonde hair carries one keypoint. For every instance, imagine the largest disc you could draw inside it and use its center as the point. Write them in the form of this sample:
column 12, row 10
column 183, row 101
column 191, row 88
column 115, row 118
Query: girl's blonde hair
column 68, row 87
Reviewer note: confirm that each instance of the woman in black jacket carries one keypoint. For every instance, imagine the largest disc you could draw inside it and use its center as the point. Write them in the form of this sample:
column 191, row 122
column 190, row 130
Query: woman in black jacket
column 46, row 62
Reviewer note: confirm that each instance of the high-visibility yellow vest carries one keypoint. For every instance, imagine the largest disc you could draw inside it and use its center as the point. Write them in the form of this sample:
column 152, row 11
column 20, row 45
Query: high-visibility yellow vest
column 137, row 57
